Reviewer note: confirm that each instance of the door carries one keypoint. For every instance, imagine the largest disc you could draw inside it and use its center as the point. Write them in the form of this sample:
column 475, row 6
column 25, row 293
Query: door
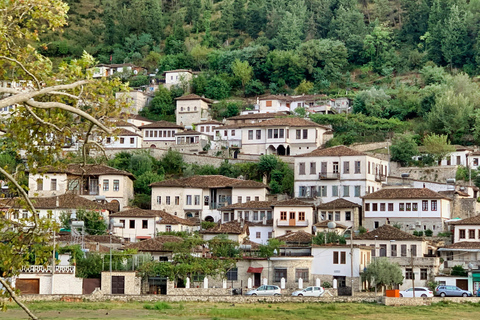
column 28, row 286
column 89, row 285
column 118, row 285
column 291, row 221
column 323, row 168
column 462, row 284
column 257, row 279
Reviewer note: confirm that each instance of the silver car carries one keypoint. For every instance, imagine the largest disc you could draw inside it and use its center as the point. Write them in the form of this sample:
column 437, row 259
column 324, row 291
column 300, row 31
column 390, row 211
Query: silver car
column 451, row 291
column 265, row 290
column 309, row 292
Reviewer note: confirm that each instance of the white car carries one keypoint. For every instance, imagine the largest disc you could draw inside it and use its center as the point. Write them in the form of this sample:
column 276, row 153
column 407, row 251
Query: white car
column 265, row 290
column 419, row 292
column 309, row 292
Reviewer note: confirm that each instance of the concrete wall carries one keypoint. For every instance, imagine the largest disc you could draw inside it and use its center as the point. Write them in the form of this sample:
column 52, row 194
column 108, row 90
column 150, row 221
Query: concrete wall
column 132, row 282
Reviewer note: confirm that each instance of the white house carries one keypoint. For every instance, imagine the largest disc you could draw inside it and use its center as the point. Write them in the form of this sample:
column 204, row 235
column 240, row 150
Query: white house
column 274, row 103
column 160, row 134
column 190, row 141
column 203, row 196
column 341, row 211
column 123, row 138
column 334, row 262
column 416, row 258
column 227, row 136
column 93, row 182
column 208, row 127
column 138, row 120
column 136, row 99
column 253, row 118
column 192, row 109
column 139, row 224
column 291, row 216
column 338, row 172
column 107, row 70
column 410, row 209
column 178, row 77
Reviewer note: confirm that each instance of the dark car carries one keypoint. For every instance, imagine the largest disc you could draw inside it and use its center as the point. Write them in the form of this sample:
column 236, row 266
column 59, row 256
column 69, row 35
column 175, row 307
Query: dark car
column 451, row 291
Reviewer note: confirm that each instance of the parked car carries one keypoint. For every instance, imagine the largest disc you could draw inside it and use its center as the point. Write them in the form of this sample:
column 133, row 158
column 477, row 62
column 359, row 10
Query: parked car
column 451, row 291
column 309, row 292
column 419, row 292
column 265, row 290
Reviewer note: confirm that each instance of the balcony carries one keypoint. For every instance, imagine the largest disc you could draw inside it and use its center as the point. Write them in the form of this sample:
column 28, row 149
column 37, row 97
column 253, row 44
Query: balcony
column 218, row 205
column 292, row 223
column 48, row 269
column 380, row 177
column 329, row 176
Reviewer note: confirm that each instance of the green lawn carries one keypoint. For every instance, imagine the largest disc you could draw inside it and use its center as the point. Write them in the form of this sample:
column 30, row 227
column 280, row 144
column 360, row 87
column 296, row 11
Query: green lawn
column 224, row 311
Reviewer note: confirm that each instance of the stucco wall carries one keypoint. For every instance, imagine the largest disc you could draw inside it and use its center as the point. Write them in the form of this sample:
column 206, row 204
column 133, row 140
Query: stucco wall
column 132, row 282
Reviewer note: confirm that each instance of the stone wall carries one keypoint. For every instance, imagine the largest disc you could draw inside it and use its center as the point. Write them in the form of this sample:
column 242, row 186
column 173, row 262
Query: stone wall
column 434, row 173
column 388, row 301
column 363, row 147
column 132, row 282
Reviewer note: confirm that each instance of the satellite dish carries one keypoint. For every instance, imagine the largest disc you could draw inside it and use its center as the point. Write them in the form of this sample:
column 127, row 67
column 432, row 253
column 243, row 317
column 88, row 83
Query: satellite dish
column 331, row 225
column 314, row 228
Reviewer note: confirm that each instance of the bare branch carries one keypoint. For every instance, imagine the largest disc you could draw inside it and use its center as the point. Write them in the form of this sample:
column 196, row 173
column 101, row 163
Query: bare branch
column 25, row 96
column 23, row 68
column 66, row 107
column 42, row 121
column 65, row 94
column 102, row 149
column 15, row 298
column 22, row 192
column 8, row 90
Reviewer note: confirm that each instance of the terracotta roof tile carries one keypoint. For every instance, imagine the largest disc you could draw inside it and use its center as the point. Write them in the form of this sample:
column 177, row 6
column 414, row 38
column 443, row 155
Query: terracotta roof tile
column 464, row 245
column 193, row 96
column 300, row 237
column 324, row 224
column 212, row 181
column 387, row 232
column 154, row 244
column 337, row 204
column 255, row 246
column 165, row 217
column 281, row 122
column 268, row 223
column 293, row 203
column 65, row 201
column 232, row 227
column 267, row 205
column 161, row 124
column 189, row 132
column 208, row 122
column 258, row 116
column 405, row 193
column 337, row 151
column 88, row 170
column 468, row 221
column 122, row 132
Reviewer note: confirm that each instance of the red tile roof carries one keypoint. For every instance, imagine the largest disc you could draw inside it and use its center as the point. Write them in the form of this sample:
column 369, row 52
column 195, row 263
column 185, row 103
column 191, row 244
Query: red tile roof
column 86, row 170
column 212, row 181
column 122, row 132
column 405, row 193
column 293, row 203
column 154, row 244
column 161, row 124
column 387, row 232
column 324, row 224
column 464, row 245
column 232, row 227
column 468, row 221
column 337, row 151
column 193, row 96
column 267, row 205
column 299, row 237
column 65, row 201
column 258, row 116
column 338, row 204
column 165, row 217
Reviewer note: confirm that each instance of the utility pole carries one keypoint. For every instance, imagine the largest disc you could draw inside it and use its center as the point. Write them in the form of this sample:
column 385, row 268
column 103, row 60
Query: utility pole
column 413, row 273
column 375, row 261
column 53, row 259
column 351, row 257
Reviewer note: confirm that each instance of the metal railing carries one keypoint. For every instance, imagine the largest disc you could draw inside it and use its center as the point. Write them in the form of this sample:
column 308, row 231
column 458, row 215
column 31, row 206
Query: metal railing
column 47, row 269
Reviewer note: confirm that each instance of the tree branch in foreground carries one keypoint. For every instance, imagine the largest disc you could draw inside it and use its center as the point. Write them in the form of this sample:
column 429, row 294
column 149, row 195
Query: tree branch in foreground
column 15, row 298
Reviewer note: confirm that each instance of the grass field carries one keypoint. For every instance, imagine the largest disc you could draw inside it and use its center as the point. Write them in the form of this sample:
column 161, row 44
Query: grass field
column 224, row 311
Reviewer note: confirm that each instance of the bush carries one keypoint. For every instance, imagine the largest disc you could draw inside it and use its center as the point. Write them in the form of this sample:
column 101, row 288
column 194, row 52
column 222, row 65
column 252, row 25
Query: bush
column 418, row 233
column 428, row 233
column 208, row 225
column 326, row 284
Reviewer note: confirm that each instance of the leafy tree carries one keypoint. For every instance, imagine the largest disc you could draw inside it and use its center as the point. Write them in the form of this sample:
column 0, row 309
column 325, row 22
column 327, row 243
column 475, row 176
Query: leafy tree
column 268, row 250
column 383, row 272
column 372, row 102
column 458, row 270
column 141, row 184
column 305, row 87
column 227, row 19
column 378, row 47
column 172, row 162
column 217, row 88
column 243, row 71
column 403, row 148
column 222, row 247
column 437, row 146
column 328, row 55
column 254, row 88
column 94, row 222
column 239, row 14
column 162, row 106
column 330, row 237
column 256, row 17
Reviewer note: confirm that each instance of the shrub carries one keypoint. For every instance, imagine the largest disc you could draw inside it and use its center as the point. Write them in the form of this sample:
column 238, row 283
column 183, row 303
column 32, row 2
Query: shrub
column 428, row 233
column 326, row 284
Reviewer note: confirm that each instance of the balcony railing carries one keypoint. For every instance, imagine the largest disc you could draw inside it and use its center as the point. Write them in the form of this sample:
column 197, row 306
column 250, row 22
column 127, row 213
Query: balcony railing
column 48, row 269
column 218, row 205
column 329, row 175
column 290, row 223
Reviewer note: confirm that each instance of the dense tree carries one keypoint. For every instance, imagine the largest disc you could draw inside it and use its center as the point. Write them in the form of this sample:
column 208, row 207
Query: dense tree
column 383, row 273
column 403, row 148
column 243, row 71
column 437, row 146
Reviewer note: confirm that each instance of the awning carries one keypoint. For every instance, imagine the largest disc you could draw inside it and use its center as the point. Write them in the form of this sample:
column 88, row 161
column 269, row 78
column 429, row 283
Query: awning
column 255, row 270
column 143, row 237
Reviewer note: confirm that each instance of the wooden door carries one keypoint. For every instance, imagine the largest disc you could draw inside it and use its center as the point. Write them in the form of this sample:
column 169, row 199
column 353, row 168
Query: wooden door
column 89, row 285
column 118, row 285
column 28, row 286
column 291, row 221
column 257, row 279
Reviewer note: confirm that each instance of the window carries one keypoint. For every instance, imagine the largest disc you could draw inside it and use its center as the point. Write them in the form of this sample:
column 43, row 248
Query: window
column 348, row 216
column 334, row 191
column 390, row 207
column 268, row 103
column 346, row 191
column 132, row 140
column 367, row 206
column 255, row 215
column 301, row 216
column 374, row 206
column 401, row 206
column 132, row 224
column 122, row 222
column 301, row 274
column 232, row 274
column 275, row 133
column 53, row 184
column 408, row 207
column 144, row 224
column 376, row 224
column 471, row 234
column 313, row 167
column 197, row 200
column 337, row 215
column 393, row 250
column 356, row 191
column 383, row 250
column 109, row 140
column 259, row 134
column 301, row 168
column 283, row 215
column 239, row 199
column 248, row 198
column 292, row 215
column 246, row 215
column 330, row 215
column 177, row 200
column 39, row 184
column 233, row 132
column 116, row 185
column 424, row 205
column 335, row 257
column 298, row 134
column 270, row 235
column 404, row 250
column 189, row 200
column 382, row 207
column 323, row 191
column 434, row 205
column 168, row 228
column 408, row 273
column 461, row 233
column 279, row 273
column 368, row 167
column 206, row 200
column 250, row 134
column 159, row 199
column 423, row 274
column 335, row 167
column 122, row 140
column 357, row 167
column 106, row 185
column 270, row 133
column 258, row 234
column 257, row 198
column 281, row 133
column 305, row 133
column 343, row 257
column 167, row 200
column 346, row 167
column 414, row 206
